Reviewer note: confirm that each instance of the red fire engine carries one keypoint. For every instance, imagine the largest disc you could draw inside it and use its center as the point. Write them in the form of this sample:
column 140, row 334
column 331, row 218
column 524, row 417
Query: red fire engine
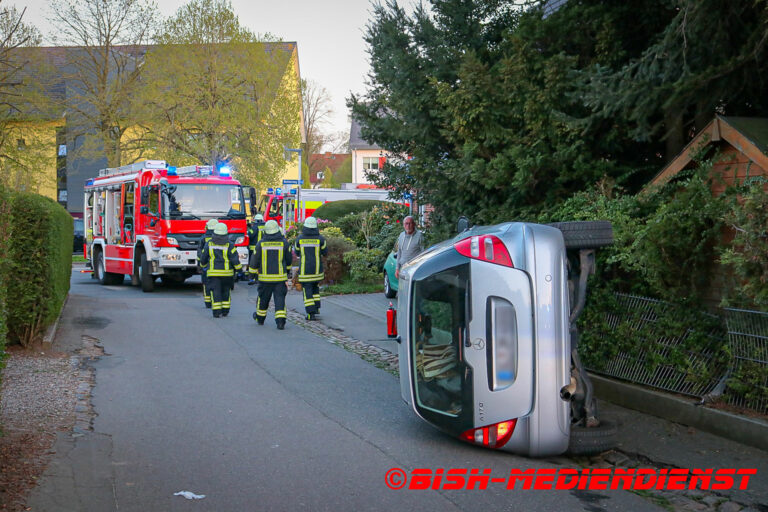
column 146, row 220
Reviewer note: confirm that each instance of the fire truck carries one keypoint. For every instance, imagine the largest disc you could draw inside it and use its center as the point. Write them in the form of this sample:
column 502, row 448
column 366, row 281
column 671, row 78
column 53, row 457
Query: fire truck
column 277, row 203
column 146, row 220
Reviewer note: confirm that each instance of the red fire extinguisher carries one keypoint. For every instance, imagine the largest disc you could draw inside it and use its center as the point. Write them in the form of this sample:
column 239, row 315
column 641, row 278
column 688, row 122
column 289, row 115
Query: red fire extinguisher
column 391, row 322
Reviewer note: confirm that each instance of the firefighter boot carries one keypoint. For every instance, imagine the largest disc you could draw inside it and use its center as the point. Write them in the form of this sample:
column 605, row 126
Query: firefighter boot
column 225, row 312
column 280, row 323
column 216, row 314
column 259, row 319
column 311, row 316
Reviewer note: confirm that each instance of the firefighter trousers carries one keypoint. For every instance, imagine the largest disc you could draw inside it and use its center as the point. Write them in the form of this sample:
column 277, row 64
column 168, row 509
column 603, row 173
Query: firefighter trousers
column 220, row 290
column 206, row 291
column 266, row 291
column 311, row 292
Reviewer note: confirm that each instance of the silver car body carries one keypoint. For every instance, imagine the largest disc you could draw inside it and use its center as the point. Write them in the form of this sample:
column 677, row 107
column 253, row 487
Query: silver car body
column 483, row 343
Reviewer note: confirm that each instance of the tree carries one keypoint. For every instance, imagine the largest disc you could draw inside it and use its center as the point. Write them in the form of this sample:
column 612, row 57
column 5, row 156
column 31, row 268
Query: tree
column 213, row 92
column 102, row 74
column 708, row 58
column 22, row 145
column 316, row 102
column 487, row 98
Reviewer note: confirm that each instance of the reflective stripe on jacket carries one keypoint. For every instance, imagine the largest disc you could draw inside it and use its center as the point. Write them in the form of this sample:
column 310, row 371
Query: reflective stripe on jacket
column 271, row 259
column 310, row 246
column 220, row 260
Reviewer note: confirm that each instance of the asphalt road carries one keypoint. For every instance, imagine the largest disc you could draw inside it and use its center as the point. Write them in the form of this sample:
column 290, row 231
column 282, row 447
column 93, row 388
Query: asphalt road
column 252, row 418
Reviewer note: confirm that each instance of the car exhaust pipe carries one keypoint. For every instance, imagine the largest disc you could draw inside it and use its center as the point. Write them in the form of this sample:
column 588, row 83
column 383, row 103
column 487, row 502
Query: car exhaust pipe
column 566, row 392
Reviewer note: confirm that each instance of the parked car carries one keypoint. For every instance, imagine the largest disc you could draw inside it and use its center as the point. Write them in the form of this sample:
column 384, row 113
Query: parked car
column 79, row 239
column 485, row 342
column 390, row 281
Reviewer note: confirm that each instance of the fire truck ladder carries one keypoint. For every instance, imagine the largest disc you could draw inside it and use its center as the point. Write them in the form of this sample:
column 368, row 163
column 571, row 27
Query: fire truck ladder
column 135, row 167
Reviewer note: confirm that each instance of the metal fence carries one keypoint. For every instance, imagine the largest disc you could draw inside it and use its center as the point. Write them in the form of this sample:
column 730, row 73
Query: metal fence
column 698, row 375
column 748, row 347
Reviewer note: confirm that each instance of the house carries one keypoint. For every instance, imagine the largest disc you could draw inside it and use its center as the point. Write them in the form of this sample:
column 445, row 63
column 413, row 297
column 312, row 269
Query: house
column 739, row 146
column 53, row 134
column 366, row 157
column 742, row 143
column 325, row 163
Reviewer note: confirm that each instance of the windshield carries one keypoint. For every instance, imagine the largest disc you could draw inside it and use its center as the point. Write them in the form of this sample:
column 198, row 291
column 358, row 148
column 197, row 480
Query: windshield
column 204, row 201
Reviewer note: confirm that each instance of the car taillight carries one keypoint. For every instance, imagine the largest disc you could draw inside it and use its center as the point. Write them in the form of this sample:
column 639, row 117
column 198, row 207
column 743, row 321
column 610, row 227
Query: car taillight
column 491, row 436
column 484, row 248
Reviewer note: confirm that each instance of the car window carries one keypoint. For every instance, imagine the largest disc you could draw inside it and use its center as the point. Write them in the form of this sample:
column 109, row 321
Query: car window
column 439, row 328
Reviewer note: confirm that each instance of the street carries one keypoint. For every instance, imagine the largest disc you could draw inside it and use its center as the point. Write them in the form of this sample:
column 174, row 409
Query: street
column 252, row 418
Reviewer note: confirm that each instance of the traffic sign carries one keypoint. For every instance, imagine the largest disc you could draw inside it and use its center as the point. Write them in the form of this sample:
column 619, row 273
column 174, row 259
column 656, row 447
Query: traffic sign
column 293, row 182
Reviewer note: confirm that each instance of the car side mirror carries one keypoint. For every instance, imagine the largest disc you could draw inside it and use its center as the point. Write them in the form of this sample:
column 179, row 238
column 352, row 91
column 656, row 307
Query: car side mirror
column 144, row 210
column 152, row 222
column 462, row 224
column 144, row 195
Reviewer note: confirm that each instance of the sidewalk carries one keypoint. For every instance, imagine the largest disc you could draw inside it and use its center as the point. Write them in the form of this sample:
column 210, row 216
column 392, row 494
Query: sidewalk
column 642, row 437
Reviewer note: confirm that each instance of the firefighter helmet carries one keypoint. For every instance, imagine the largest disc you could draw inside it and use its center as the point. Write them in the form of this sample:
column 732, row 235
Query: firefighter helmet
column 211, row 224
column 220, row 229
column 258, row 217
column 271, row 227
column 311, row 223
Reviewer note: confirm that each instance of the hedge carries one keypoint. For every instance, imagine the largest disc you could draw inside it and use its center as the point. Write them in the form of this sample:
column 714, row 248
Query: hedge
column 38, row 266
column 336, row 209
column 5, row 229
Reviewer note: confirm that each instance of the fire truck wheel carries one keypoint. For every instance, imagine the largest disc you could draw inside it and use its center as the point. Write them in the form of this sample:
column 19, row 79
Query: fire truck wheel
column 145, row 274
column 104, row 277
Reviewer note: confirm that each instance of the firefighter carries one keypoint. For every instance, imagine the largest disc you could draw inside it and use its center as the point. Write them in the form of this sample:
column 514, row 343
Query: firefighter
column 206, row 238
column 270, row 262
column 310, row 247
column 220, row 260
column 255, row 232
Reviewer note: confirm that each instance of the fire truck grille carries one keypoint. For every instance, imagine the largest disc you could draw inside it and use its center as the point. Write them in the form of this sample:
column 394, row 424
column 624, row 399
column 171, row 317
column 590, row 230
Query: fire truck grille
column 188, row 241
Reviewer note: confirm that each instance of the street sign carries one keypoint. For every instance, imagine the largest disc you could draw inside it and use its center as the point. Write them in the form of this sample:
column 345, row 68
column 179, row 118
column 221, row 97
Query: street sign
column 293, row 182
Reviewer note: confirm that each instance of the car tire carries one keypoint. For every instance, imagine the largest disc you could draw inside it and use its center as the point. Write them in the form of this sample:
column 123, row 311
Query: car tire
column 145, row 274
column 388, row 291
column 592, row 440
column 104, row 277
column 585, row 234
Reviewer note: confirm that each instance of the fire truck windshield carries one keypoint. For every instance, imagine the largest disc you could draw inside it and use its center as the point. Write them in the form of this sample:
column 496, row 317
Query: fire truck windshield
column 203, row 201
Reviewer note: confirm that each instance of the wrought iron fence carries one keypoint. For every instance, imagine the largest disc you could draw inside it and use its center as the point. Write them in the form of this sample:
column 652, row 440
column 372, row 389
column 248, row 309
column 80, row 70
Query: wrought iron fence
column 697, row 374
column 748, row 347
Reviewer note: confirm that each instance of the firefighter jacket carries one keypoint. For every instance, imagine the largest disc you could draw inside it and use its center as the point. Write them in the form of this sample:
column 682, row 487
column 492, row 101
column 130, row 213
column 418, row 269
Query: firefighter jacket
column 219, row 257
column 204, row 240
column 310, row 246
column 255, row 232
column 271, row 259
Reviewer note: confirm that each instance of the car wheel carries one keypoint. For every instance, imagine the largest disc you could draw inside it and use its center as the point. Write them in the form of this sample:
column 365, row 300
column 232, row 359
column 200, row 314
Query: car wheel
column 585, row 234
column 388, row 291
column 591, row 440
column 145, row 274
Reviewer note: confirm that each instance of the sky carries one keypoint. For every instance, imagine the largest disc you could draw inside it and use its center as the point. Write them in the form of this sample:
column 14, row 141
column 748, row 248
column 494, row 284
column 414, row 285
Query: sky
column 329, row 35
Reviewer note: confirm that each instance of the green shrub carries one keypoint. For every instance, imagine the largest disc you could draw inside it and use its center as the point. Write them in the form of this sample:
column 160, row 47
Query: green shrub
column 336, row 209
column 40, row 254
column 338, row 244
column 365, row 264
column 5, row 231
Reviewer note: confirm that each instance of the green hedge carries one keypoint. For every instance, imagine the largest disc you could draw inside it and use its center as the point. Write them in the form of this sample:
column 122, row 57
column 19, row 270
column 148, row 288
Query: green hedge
column 336, row 209
column 38, row 266
column 5, row 232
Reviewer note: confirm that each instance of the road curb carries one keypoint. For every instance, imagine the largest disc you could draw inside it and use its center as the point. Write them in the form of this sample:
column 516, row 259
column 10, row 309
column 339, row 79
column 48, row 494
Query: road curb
column 749, row 431
column 50, row 333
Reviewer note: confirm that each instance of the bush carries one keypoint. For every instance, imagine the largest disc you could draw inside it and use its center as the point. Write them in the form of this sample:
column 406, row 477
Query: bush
column 336, row 209
column 40, row 261
column 365, row 264
column 5, row 229
column 338, row 244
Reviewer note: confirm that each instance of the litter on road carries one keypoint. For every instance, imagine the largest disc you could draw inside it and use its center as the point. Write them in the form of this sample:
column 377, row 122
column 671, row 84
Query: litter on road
column 189, row 495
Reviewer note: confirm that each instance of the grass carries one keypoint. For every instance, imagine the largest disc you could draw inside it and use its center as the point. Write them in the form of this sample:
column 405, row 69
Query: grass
column 78, row 258
column 348, row 287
